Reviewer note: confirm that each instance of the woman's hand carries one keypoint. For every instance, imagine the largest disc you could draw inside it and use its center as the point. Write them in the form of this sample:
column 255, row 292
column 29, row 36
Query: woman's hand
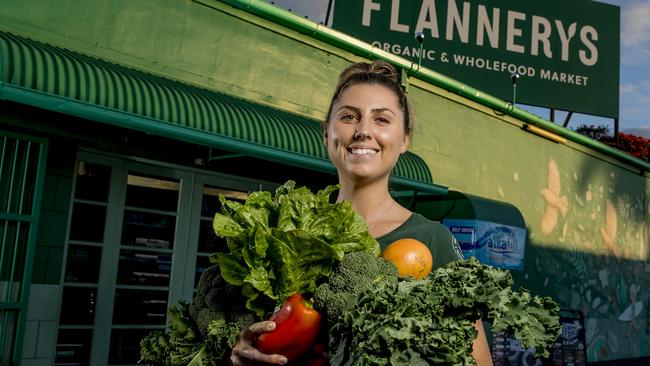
column 245, row 353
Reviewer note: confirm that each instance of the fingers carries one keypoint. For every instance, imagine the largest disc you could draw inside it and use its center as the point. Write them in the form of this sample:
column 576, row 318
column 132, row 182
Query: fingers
column 259, row 328
column 251, row 356
column 244, row 353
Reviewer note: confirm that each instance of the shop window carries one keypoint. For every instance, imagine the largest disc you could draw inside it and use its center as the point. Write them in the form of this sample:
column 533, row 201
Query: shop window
column 78, row 306
column 82, row 264
column 93, row 181
column 152, row 193
column 73, row 347
column 151, row 230
column 125, row 345
column 140, row 307
column 144, row 268
column 88, row 222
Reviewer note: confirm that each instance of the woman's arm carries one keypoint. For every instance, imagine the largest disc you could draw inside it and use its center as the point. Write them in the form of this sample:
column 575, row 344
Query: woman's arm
column 480, row 348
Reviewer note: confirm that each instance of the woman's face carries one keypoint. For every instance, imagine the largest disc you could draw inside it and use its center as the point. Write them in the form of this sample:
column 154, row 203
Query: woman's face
column 365, row 134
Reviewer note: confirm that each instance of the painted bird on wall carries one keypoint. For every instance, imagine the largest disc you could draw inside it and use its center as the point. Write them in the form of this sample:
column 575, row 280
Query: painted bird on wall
column 554, row 203
column 608, row 232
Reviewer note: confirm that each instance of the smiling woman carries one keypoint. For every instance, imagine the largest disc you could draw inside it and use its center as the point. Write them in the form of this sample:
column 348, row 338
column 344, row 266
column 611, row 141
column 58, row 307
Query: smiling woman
column 368, row 127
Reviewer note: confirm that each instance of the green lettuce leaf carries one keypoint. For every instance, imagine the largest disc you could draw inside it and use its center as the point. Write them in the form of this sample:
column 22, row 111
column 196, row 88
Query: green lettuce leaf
column 286, row 243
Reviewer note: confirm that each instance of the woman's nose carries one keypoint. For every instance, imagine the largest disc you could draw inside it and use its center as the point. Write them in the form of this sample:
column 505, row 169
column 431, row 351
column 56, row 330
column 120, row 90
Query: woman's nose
column 362, row 130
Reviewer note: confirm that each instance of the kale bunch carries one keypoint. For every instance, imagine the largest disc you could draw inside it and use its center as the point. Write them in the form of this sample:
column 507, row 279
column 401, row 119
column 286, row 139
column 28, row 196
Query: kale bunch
column 201, row 333
column 179, row 345
column 430, row 321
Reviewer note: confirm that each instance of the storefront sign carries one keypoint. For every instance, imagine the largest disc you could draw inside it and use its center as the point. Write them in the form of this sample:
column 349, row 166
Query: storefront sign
column 567, row 53
column 491, row 243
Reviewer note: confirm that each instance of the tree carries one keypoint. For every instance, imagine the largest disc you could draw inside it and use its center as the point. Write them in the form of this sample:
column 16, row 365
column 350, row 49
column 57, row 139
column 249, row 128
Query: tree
column 636, row 146
column 598, row 133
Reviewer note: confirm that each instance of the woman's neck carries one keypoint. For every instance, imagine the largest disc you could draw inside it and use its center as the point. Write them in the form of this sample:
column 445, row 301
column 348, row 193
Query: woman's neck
column 366, row 201
column 372, row 201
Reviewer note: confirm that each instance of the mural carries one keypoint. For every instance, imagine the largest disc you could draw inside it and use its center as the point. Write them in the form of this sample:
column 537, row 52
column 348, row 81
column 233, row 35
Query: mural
column 596, row 262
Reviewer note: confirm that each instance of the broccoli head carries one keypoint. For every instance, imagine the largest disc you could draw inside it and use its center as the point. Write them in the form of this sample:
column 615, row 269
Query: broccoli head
column 215, row 299
column 356, row 273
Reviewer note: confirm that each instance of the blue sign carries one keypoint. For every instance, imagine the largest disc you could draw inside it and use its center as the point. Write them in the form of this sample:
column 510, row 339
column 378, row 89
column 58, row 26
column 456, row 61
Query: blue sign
column 491, row 243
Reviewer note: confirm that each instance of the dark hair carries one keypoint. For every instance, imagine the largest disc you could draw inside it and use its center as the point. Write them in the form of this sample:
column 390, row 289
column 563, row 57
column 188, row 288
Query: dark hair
column 379, row 72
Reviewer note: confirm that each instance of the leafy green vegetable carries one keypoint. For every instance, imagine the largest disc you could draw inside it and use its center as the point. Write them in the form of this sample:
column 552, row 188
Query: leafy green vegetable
column 430, row 321
column 154, row 347
column 202, row 333
column 179, row 346
column 285, row 243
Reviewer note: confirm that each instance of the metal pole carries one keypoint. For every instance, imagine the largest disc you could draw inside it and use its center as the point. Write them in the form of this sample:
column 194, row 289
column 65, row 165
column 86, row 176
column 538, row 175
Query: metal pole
column 327, row 15
column 567, row 119
column 552, row 117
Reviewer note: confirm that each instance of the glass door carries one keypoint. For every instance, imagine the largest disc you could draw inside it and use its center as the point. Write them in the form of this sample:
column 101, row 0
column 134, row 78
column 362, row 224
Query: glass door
column 86, row 244
column 140, row 236
column 151, row 251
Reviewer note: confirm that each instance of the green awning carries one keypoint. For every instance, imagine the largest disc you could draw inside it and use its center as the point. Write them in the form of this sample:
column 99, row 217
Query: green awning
column 56, row 79
column 465, row 206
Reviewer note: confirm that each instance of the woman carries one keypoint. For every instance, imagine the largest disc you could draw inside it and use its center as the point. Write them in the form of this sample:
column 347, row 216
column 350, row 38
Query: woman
column 367, row 128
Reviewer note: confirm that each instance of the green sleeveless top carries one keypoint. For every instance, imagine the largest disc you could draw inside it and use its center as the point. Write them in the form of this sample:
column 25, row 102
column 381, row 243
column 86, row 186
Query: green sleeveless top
column 444, row 247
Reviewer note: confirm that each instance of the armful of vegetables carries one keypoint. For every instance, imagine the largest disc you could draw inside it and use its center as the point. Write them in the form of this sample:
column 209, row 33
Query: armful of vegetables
column 278, row 245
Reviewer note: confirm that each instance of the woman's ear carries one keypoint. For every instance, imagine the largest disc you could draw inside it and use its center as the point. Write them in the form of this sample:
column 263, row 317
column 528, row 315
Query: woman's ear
column 405, row 144
column 325, row 138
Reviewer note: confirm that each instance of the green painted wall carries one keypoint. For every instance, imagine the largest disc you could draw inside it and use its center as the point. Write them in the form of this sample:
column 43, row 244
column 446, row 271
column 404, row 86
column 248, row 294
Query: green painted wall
column 591, row 255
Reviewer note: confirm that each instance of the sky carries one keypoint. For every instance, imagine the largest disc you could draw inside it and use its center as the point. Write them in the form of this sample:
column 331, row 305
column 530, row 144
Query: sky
column 634, row 114
column 635, row 68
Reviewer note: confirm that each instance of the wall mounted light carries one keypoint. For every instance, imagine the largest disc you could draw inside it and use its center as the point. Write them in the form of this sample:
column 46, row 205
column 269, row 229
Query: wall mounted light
column 545, row 133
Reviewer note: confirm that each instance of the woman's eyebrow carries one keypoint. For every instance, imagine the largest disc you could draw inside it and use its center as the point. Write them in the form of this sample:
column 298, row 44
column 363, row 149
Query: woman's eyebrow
column 379, row 110
column 374, row 110
column 353, row 108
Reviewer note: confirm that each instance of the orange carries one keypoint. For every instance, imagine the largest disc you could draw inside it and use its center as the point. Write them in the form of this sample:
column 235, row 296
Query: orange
column 410, row 256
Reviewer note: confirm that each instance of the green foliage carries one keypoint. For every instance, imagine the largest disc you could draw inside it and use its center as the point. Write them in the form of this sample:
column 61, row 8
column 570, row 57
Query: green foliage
column 179, row 346
column 204, row 332
column 637, row 146
column 430, row 321
column 286, row 243
column 154, row 348
column 355, row 274
column 598, row 133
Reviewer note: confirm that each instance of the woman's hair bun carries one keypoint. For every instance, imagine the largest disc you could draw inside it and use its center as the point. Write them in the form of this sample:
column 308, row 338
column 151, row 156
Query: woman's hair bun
column 379, row 67
column 378, row 72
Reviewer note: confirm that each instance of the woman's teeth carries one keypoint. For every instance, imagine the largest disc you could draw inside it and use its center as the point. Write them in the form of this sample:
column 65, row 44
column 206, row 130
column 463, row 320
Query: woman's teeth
column 363, row 151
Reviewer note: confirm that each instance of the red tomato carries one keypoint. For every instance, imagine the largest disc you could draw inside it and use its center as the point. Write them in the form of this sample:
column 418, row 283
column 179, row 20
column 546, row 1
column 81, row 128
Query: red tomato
column 296, row 329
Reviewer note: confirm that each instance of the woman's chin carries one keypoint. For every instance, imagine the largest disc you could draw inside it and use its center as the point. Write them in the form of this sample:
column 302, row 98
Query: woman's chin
column 360, row 174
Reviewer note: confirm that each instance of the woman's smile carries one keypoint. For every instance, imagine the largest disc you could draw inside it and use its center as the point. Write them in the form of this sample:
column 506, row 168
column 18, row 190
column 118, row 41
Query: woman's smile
column 362, row 152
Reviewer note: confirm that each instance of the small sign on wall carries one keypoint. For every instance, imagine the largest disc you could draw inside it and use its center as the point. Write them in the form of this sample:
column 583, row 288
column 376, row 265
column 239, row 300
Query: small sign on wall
column 498, row 245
